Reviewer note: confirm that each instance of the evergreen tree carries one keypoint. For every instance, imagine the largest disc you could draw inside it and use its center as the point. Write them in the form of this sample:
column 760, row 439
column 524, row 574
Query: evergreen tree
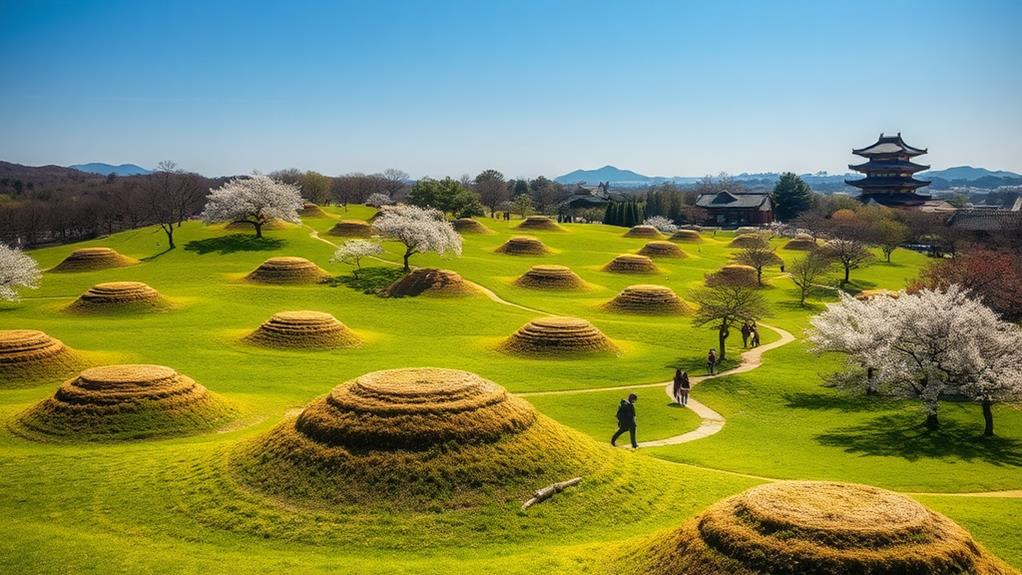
column 791, row 197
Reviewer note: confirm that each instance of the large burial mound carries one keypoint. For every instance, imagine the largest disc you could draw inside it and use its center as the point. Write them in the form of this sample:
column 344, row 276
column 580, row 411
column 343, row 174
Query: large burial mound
column 352, row 229
column 469, row 226
column 557, row 336
column 643, row 231
column 804, row 242
column 749, row 241
column 540, row 223
column 119, row 402
column 689, row 236
column 89, row 259
column 631, row 264
column 430, row 281
column 648, row 299
column 27, row 355
column 310, row 210
column 733, row 275
column 550, row 277
column 523, row 246
column 119, row 296
column 288, row 270
column 408, row 437
column 303, row 330
column 661, row 249
column 819, row 528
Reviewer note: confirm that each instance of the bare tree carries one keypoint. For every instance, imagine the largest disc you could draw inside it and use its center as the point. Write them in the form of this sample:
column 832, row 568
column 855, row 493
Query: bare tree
column 758, row 257
column 492, row 189
column 808, row 271
column 850, row 253
column 172, row 196
column 726, row 305
column 393, row 181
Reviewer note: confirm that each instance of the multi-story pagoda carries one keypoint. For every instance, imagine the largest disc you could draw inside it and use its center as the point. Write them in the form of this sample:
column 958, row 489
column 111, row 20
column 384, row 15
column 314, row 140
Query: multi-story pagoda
column 889, row 173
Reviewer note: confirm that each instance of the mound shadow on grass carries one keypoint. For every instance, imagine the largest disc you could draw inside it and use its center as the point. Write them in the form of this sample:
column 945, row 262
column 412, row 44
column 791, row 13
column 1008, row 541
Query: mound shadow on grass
column 234, row 243
column 370, row 280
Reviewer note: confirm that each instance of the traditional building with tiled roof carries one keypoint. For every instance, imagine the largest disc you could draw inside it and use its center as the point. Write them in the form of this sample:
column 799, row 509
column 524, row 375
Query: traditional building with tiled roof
column 737, row 208
column 889, row 173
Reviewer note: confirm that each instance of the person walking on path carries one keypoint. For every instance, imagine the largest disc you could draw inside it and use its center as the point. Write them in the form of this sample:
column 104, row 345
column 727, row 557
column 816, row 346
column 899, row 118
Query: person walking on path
column 680, row 379
column 755, row 337
column 746, row 332
column 626, row 420
column 711, row 361
column 683, row 389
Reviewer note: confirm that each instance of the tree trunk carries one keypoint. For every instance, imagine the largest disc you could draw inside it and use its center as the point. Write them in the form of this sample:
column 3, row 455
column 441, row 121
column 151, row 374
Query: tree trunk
column 170, row 235
column 802, row 301
column 932, row 423
column 259, row 229
column 847, row 271
column 759, row 277
column 407, row 255
column 988, row 418
column 721, row 341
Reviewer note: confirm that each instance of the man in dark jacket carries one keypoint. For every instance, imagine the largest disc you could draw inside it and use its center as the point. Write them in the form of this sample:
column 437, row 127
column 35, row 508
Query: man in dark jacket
column 626, row 420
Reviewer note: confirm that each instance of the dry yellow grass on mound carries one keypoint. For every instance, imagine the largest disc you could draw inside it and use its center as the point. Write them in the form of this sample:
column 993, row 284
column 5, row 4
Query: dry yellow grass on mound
column 89, row 259
column 247, row 227
column 661, row 249
column 872, row 293
column 643, row 231
column 288, row 270
column 303, row 330
column 550, row 277
column 540, row 223
column 412, row 437
column 733, row 275
column 557, row 336
column 749, row 241
column 523, row 246
column 310, row 210
column 118, row 402
column 687, row 236
column 28, row 355
column 469, row 226
column 119, row 296
column 352, row 229
column 631, row 264
column 803, row 242
column 431, row 281
column 819, row 528
column 648, row 299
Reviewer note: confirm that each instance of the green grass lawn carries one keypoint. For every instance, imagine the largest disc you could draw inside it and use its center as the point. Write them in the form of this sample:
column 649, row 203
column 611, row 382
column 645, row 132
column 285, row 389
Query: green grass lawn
column 171, row 505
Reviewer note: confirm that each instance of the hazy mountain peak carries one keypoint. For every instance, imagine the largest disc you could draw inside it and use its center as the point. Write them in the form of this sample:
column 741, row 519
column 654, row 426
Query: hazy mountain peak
column 106, row 169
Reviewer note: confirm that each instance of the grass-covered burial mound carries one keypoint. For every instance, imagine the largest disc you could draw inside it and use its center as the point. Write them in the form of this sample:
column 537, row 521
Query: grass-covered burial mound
column 540, row 223
column 551, row 277
column 352, row 229
column 123, row 402
column 631, row 264
column 288, row 270
column 90, row 259
column 687, row 236
column 643, row 231
column 733, row 275
column 557, row 336
column 431, row 281
column 118, row 297
column 749, row 241
column 648, row 299
column 310, row 210
column 661, row 249
column 523, row 246
column 28, row 355
column 818, row 528
column 469, row 226
column 409, row 437
column 802, row 242
column 303, row 330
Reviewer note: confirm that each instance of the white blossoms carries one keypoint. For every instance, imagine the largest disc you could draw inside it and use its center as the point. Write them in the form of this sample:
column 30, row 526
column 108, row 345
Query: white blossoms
column 17, row 270
column 255, row 200
column 421, row 230
column 664, row 225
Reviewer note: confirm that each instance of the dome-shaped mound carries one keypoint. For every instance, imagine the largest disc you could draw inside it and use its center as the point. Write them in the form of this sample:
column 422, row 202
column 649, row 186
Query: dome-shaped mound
column 747, row 230
column 116, row 402
column 469, row 226
column 631, row 264
column 557, row 336
column 119, row 296
column 733, row 275
column 431, row 281
column 523, row 246
column 303, row 330
column 648, row 299
column 688, row 236
column 352, row 229
column 643, row 231
column 749, row 241
column 661, row 249
column 550, row 277
column 89, row 259
column 540, row 223
column 288, row 270
column 803, row 242
column 405, row 437
column 819, row 528
column 30, row 355
column 310, row 210
column 247, row 227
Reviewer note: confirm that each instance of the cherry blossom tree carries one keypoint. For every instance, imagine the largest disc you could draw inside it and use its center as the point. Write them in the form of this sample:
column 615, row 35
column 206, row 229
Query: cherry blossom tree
column 17, row 270
column 662, row 224
column 376, row 200
column 255, row 201
column 421, row 230
column 351, row 252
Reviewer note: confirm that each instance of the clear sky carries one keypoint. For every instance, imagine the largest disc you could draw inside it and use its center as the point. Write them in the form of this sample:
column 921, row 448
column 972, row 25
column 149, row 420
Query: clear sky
column 450, row 87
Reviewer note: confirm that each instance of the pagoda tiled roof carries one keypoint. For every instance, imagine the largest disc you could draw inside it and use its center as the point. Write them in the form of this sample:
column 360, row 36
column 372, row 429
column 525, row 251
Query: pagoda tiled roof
column 889, row 145
column 892, row 182
column 888, row 165
column 894, row 199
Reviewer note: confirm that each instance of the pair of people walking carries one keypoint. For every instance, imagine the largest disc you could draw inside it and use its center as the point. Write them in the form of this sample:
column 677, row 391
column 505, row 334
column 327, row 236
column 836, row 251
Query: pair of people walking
column 682, row 386
column 750, row 334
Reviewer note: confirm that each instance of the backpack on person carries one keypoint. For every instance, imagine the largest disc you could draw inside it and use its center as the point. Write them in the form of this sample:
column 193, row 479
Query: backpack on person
column 622, row 411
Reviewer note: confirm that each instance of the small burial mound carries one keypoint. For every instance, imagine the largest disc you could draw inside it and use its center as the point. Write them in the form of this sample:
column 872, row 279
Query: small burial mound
column 310, row 210
column 747, row 230
column 661, row 249
column 631, row 264
column 30, row 355
column 818, row 528
column 557, row 336
column 643, row 231
column 430, row 281
column 119, row 296
column 303, row 330
column 352, row 229
column 405, row 437
column 469, row 226
column 550, row 277
column 119, row 402
column 523, row 246
column 749, row 241
column 540, row 223
column 89, row 259
column 687, row 236
column 803, row 242
column 288, row 270
column 733, row 275
column 648, row 299
column 247, row 227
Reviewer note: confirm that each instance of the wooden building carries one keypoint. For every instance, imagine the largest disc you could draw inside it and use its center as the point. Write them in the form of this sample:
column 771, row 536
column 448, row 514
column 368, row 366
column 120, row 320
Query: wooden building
column 737, row 208
column 889, row 174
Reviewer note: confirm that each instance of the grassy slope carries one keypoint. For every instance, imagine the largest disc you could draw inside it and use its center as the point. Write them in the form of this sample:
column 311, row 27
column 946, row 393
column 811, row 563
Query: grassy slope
column 79, row 507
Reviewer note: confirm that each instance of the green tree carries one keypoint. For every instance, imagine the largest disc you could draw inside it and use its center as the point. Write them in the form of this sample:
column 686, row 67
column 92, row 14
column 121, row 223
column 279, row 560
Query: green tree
column 791, row 197
column 446, row 195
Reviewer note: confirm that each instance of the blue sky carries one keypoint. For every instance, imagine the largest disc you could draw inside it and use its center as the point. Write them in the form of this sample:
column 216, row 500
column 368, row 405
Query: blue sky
column 452, row 87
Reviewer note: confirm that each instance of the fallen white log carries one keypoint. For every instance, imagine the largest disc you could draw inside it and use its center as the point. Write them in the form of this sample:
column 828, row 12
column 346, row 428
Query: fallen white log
column 549, row 491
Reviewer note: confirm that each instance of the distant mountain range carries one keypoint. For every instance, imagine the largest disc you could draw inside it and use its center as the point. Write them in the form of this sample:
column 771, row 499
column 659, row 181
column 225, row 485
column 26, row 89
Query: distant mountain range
column 107, row 169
